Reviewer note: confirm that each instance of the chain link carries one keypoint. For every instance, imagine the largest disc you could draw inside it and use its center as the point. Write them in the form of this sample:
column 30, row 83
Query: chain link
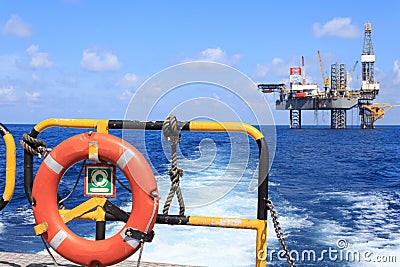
column 279, row 233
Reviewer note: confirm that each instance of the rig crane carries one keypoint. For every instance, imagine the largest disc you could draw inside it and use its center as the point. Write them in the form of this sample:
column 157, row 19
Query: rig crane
column 350, row 77
column 325, row 81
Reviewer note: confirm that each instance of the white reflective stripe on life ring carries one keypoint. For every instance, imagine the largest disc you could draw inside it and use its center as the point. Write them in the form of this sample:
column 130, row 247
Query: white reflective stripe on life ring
column 53, row 164
column 125, row 158
column 58, row 239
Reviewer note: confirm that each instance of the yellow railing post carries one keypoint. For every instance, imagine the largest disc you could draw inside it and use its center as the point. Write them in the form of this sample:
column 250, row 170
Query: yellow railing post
column 10, row 166
column 261, row 244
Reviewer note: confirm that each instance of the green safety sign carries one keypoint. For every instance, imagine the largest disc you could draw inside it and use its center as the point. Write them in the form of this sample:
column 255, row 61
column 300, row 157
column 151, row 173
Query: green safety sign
column 100, row 180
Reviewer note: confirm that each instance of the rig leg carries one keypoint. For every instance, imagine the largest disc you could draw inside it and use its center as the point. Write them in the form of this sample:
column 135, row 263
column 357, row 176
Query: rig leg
column 338, row 119
column 367, row 119
column 295, row 119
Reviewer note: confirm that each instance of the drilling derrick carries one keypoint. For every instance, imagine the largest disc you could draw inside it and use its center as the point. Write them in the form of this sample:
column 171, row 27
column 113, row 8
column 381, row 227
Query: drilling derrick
column 369, row 88
column 368, row 59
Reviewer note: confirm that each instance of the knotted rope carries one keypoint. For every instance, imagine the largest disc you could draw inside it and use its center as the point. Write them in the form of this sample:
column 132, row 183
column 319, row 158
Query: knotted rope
column 171, row 133
column 34, row 146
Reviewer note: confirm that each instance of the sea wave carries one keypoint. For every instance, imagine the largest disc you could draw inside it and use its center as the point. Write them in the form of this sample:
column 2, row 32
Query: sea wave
column 368, row 225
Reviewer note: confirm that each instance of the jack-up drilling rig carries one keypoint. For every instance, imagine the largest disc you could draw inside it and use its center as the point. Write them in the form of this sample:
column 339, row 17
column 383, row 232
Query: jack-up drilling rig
column 336, row 95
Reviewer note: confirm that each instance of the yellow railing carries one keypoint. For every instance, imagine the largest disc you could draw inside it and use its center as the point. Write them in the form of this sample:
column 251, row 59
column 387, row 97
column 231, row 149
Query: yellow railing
column 84, row 212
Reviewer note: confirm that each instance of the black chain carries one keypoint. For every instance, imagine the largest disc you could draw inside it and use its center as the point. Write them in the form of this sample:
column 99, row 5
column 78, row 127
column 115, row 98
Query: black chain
column 279, row 233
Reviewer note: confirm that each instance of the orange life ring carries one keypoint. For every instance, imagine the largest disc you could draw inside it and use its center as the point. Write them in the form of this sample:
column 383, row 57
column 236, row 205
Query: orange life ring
column 144, row 199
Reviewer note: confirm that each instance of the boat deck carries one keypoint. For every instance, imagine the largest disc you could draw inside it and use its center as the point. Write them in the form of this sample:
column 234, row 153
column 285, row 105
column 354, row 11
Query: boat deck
column 43, row 260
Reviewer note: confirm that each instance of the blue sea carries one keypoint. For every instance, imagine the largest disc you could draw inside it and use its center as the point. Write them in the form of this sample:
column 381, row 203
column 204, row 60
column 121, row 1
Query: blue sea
column 337, row 194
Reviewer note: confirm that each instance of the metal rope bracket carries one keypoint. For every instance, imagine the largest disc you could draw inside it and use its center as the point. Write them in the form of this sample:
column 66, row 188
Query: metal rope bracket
column 139, row 235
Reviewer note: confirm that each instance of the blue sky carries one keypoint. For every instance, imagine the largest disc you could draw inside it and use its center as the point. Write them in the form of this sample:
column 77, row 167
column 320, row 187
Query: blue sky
column 85, row 59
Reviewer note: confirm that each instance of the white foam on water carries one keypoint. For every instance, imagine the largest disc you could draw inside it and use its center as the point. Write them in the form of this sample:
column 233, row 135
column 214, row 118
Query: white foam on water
column 211, row 246
column 27, row 214
column 293, row 221
column 201, row 246
column 374, row 231
column 216, row 246
column 274, row 184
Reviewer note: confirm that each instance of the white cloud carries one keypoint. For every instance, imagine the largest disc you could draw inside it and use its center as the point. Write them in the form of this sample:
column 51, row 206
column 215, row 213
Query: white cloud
column 8, row 93
column 216, row 96
column 129, row 80
column 35, row 78
column 215, row 55
column 33, row 97
column 277, row 67
column 39, row 60
column 396, row 72
column 32, row 50
column 126, row 95
column 95, row 61
column 34, row 100
column 16, row 27
column 68, row 79
column 36, row 82
column 338, row 27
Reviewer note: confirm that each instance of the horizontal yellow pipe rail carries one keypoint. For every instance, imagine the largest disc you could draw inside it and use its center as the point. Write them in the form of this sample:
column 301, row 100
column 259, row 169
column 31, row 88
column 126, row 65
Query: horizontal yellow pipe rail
column 100, row 125
column 207, row 126
column 226, row 222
